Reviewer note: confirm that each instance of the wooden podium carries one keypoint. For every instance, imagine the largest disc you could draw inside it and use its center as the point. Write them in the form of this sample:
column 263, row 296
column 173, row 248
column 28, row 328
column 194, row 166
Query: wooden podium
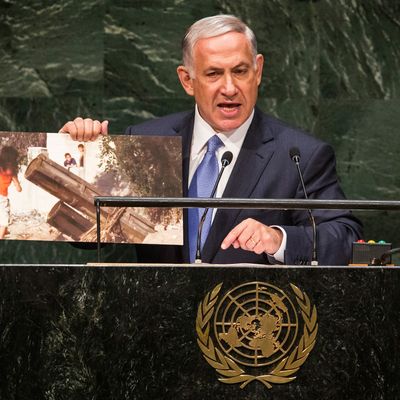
column 166, row 331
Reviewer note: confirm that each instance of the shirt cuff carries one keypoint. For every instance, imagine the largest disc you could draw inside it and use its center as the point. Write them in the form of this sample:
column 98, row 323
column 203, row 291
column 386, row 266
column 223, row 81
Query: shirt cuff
column 280, row 253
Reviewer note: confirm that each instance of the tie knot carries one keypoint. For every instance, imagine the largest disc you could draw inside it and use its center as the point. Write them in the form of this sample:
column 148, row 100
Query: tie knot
column 213, row 144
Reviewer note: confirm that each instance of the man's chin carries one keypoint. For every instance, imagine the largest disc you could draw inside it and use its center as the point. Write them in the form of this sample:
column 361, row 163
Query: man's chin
column 224, row 123
column 228, row 126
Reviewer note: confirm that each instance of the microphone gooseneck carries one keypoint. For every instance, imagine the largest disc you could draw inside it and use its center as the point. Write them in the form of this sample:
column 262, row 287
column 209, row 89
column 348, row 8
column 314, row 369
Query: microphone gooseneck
column 226, row 159
column 294, row 154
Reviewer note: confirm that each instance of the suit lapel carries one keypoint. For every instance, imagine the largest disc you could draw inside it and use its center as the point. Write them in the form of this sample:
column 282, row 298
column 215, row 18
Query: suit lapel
column 257, row 149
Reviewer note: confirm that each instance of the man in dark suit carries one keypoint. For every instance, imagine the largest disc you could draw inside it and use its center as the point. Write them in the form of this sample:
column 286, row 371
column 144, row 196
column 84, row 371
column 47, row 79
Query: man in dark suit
column 222, row 71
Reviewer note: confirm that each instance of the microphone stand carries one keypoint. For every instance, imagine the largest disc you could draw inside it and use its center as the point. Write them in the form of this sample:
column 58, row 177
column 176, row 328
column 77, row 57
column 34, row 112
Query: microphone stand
column 314, row 259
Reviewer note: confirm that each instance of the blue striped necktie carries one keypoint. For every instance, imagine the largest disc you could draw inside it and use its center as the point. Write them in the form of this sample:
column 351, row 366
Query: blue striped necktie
column 201, row 186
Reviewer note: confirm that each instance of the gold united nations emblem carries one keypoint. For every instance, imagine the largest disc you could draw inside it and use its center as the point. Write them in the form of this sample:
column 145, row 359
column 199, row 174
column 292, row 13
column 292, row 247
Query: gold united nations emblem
column 253, row 332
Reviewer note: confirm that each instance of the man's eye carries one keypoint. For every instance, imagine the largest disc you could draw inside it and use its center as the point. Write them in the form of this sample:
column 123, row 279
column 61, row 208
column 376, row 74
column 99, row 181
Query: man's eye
column 212, row 74
column 241, row 71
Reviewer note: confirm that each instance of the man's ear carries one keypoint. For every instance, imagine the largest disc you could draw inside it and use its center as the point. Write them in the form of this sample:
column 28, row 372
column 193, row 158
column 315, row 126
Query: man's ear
column 185, row 79
column 259, row 66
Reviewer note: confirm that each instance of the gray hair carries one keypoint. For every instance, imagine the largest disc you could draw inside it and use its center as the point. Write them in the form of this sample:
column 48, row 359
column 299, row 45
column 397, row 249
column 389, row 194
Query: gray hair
column 210, row 27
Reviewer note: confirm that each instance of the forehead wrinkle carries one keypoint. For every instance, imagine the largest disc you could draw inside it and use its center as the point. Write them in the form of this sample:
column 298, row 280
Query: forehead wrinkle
column 218, row 49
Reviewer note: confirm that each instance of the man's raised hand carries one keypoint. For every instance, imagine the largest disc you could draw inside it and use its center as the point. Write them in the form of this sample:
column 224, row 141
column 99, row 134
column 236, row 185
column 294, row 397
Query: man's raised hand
column 85, row 130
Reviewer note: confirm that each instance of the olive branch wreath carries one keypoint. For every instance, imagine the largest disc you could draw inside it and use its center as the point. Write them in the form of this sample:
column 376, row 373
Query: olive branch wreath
column 230, row 371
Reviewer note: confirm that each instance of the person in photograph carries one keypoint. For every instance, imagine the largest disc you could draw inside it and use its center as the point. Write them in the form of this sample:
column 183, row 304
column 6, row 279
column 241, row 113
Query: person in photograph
column 69, row 161
column 81, row 158
column 8, row 175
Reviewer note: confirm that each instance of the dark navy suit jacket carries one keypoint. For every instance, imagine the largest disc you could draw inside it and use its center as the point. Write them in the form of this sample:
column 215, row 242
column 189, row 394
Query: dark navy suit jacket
column 264, row 169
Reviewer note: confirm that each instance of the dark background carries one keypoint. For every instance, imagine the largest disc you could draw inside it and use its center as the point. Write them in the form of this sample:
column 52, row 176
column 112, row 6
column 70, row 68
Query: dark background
column 331, row 68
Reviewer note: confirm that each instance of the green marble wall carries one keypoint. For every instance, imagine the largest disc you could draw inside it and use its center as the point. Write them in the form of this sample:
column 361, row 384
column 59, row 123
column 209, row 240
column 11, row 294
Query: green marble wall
column 331, row 68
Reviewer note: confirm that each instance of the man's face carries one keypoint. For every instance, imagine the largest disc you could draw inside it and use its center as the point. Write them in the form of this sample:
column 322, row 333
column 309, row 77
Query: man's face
column 225, row 81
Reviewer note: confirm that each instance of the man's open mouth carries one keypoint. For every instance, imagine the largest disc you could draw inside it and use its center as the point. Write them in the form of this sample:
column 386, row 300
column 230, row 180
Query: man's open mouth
column 229, row 105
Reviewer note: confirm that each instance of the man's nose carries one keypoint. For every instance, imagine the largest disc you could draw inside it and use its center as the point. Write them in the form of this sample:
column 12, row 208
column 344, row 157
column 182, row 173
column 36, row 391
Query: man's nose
column 229, row 87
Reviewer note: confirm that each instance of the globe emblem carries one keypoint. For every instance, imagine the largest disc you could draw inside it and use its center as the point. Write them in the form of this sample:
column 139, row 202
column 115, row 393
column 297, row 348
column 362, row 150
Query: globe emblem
column 256, row 324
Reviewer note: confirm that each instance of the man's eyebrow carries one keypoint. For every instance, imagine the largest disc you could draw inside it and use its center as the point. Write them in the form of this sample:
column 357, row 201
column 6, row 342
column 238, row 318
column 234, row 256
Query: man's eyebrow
column 242, row 64
column 211, row 68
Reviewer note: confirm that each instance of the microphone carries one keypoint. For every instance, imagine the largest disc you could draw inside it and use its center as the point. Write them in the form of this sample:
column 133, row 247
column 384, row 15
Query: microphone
column 294, row 154
column 381, row 261
column 226, row 159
